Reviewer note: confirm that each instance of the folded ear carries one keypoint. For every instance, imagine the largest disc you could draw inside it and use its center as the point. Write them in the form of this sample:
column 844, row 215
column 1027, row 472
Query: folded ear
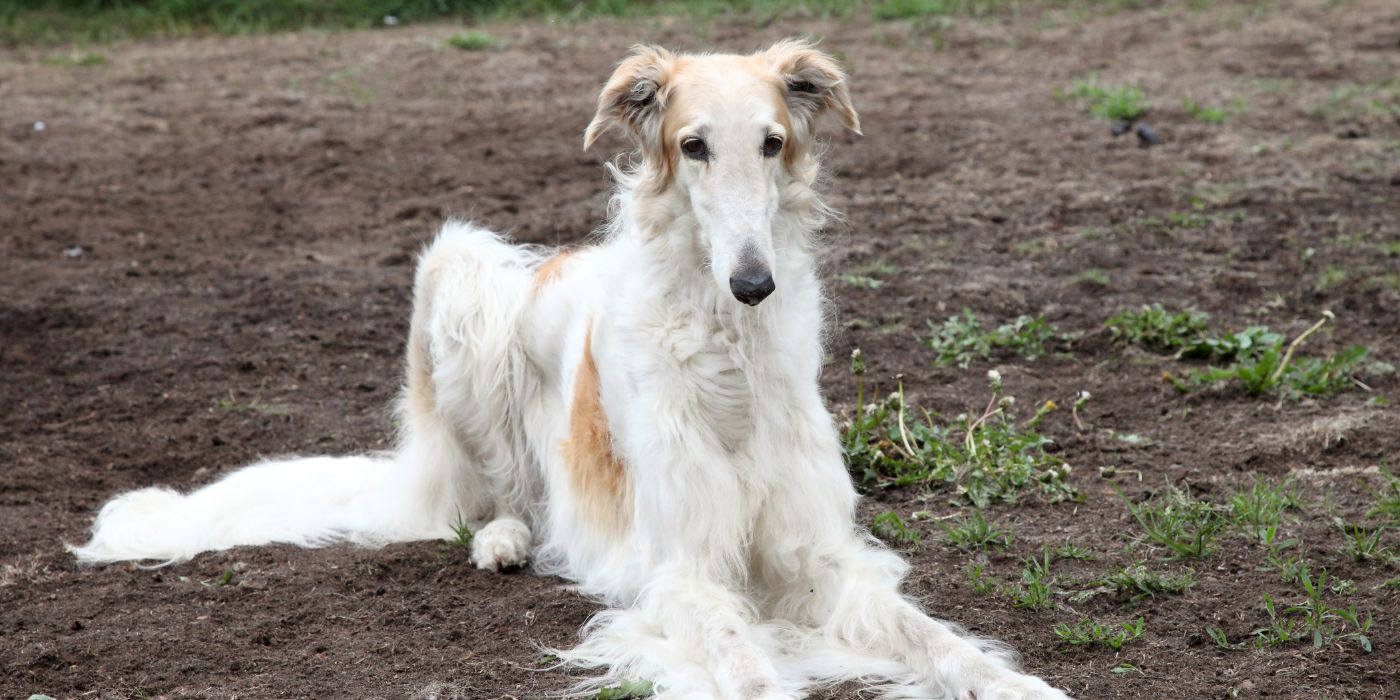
column 634, row 97
column 815, row 83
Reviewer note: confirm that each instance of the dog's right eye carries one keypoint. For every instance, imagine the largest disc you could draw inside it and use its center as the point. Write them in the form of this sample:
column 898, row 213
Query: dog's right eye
column 695, row 149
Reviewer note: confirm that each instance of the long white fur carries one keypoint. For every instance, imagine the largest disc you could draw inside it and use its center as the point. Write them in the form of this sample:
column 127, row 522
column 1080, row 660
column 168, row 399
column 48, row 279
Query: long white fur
column 742, row 573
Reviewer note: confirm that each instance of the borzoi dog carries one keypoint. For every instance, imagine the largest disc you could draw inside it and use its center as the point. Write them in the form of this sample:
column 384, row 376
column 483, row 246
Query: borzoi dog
column 641, row 416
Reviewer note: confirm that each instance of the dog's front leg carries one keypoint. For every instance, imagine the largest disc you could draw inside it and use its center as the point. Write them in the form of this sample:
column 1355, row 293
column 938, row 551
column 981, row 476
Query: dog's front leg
column 822, row 573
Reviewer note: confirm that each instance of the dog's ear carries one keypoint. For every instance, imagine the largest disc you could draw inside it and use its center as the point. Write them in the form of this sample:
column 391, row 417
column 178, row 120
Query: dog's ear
column 634, row 97
column 814, row 83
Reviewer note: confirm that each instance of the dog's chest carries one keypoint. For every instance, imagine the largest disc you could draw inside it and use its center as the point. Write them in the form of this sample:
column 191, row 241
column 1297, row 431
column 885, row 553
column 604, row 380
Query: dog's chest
column 713, row 372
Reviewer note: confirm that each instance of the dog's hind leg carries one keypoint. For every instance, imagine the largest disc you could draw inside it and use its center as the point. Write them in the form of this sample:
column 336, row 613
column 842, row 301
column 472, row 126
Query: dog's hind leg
column 467, row 381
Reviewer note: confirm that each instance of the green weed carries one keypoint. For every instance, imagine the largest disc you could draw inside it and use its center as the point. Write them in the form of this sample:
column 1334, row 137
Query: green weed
column 891, row 528
column 1136, row 581
column 1036, row 585
column 462, row 534
column 1178, row 523
column 1362, row 543
column 988, row 457
column 1387, row 500
column 626, row 690
column 1221, row 640
column 1213, row 115
column 1259, row 509
column 1094, row 277
column 1087, row 632
column 1159, row 329
column 1116, row 102
column 975, row 532
column 473, row 41
column 962, row 339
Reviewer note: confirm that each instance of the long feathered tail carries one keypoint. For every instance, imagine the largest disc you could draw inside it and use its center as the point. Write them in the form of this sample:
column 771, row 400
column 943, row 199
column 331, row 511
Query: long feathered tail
column 467, row 301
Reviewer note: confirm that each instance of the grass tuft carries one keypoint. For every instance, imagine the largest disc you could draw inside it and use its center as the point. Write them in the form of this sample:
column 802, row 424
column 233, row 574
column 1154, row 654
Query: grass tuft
column 962, row 339
column 473, row 41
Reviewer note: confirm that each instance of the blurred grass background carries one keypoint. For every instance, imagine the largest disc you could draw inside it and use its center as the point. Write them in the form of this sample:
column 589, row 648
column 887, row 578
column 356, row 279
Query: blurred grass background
column 47, row 22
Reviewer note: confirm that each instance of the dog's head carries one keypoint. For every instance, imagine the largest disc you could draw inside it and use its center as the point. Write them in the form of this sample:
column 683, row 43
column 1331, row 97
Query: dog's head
column 727, row 134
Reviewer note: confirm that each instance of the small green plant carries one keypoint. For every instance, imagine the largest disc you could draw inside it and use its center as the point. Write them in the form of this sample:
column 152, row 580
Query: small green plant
column 1271, row 369
column 1362, row 543
column 962, row 339
column 891, row 528
column 1157, row 328
column 1184, row 526
column 475, row 40
column 987, row 457
column 75, row 59
column 1213, row 115
column 1087, row 632
column 1116, row 102
column 1387, row 504
column 462, row 534
column 1072, row 551
column 1222, row 640
column 1137, row 582
column 1325, row 623
column 975, row 532
column 1258, row 510
column 1036, row 584
column 1094, row 277
column 626, row 690
column 977, row 574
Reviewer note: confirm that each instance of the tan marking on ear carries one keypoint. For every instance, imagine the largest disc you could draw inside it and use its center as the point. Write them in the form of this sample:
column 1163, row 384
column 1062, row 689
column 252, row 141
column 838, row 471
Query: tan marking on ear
column 602, row 490
column 551, row 270
column 800, row 62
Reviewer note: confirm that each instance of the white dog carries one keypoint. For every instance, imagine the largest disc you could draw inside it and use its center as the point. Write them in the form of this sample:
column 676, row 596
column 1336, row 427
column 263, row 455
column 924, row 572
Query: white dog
column 641, row 416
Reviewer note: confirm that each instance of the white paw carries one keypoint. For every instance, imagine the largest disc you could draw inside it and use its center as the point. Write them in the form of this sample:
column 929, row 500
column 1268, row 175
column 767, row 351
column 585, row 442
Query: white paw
column 502, row 544
column 1020, row 688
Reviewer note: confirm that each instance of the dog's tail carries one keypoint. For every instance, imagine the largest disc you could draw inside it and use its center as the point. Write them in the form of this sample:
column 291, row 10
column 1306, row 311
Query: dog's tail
column 462, row 345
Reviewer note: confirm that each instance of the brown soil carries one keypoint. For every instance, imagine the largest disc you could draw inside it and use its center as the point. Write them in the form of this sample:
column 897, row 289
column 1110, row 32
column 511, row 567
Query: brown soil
column 247, row 210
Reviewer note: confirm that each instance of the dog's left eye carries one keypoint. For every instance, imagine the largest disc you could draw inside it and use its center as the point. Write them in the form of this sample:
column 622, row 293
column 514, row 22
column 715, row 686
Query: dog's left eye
column 695, row 149
column 772, row 145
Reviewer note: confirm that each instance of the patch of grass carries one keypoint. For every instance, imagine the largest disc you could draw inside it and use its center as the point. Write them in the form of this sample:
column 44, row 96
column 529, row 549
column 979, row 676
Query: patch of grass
column 975, row 532
column 1072, row 551
column 1094, row 277
column 1330, row 278
column 1115, row 102
column 1213, row 115
column 626, row 690
column 1313, row 617
column 962, row 339
column 1178, row 523
column 1036, row 586
column 988, row 457
column 473, row 41
column 1221, row 640
column 891, row 528
column 1159, row 329
column 75, row 59
column 462, row 534
column 1356, row 100
column 1088, row 632
column 869, row 275
column 1263, row 365
column 1363, row 543
column 1136, row 581
column 1387, row 504
column 1258, row 510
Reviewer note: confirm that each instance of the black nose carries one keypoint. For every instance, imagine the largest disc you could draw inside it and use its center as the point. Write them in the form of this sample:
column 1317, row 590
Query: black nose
column 752, row 286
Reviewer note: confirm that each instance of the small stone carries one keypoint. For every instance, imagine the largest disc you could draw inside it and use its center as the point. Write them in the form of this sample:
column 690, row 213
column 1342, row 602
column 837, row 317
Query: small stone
column 73, row 251
column 1121, row 126
column 40, row 126
column 1147, row 137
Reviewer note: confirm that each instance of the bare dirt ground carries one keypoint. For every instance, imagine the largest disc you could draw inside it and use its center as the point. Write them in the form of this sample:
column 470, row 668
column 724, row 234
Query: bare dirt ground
column 206, row 257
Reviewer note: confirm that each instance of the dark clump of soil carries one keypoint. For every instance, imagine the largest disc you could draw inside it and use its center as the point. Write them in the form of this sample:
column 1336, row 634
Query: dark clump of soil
column 206, row 256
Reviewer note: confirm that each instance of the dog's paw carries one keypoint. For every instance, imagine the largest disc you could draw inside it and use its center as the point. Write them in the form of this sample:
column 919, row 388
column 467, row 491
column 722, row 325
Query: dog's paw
column 504, row 543
column 1019, row 687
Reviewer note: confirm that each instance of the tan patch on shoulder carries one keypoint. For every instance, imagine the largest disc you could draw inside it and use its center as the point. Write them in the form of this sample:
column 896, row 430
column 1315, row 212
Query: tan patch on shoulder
column 599, row 479
column 551, row 269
